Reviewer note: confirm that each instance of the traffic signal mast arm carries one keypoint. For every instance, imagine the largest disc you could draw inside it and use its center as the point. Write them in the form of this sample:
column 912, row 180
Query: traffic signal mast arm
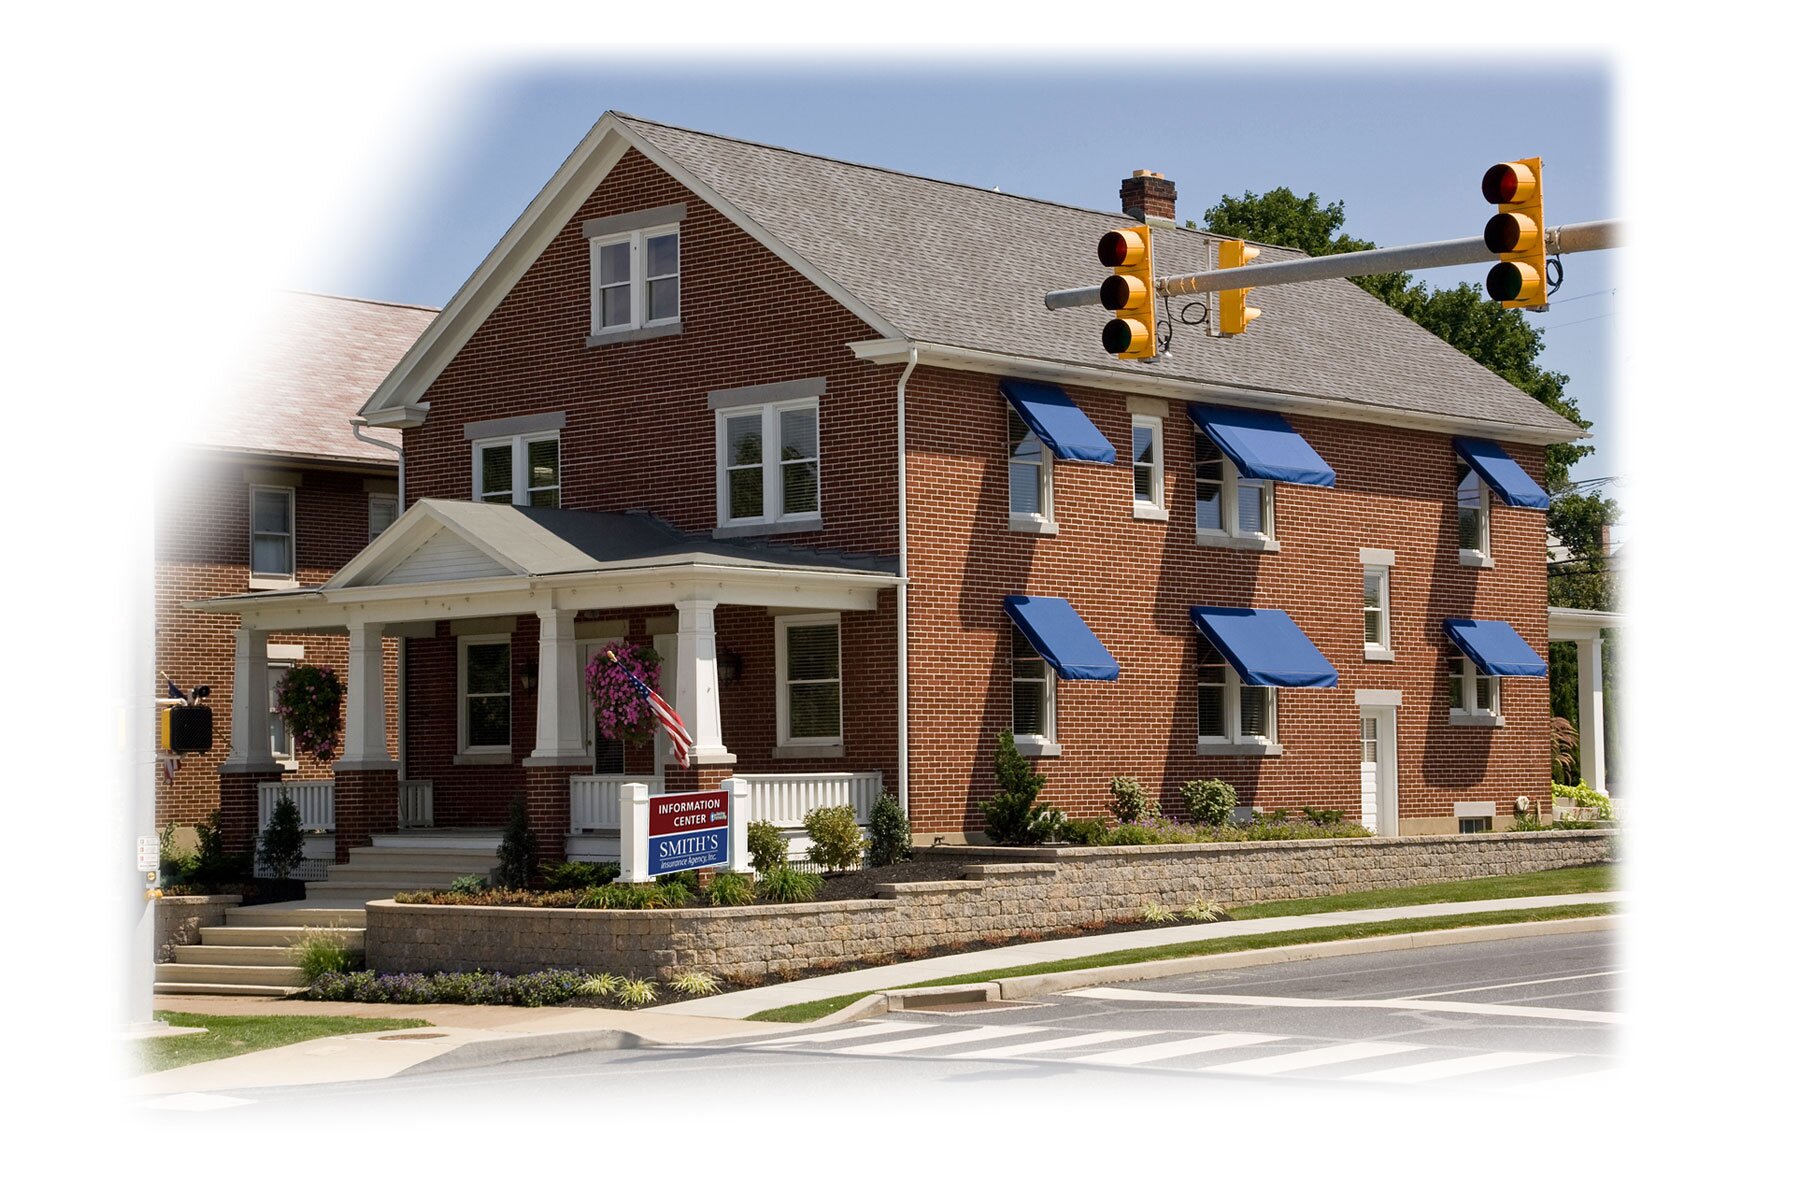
column 1564, row 239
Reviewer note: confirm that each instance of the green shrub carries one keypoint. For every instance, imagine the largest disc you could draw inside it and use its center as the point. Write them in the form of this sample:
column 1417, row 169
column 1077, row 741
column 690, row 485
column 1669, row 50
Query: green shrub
column 518, row 849
column 211, row 863
column 1209, row 801
column 1130, row 803
column 1155, row 913
column 468, row 885
column 575, row 876
column 601, row 985
column 890, row 833
column 694, row 983
column 1009, row 813
column 173, row 866
column 283, row 846
column 1089, row 831
column 635, row 993
column 1580, row 795
column 768, row 846
column 1048, row 824
column 323, row 951
column 837, row 842
column 1323, row 816
column 1129, row 835
column 1203, row 910
column 785, row 885
column 1526, row 823
column 729, row 889
column 669, row 893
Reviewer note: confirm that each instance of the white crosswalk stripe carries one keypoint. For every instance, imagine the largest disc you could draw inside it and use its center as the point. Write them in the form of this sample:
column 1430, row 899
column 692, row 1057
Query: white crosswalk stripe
column 859, row 1030
column 955, row 1037
column 1324, row 1056
column 1451, row 1068
column 1025, row 1049
column 1133, row 1055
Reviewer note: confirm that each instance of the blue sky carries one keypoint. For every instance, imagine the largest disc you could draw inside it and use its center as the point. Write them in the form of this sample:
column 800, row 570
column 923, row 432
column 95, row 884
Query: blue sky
column 1402, row 142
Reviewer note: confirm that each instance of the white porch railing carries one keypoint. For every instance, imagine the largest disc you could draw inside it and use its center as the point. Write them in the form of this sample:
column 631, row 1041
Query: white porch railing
column 594, row 799
column 786, row 799
column 315, row 798
column 415, row 804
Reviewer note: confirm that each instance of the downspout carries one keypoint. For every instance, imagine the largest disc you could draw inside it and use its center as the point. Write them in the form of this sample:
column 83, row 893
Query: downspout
column 912, row 360
column 357, row 426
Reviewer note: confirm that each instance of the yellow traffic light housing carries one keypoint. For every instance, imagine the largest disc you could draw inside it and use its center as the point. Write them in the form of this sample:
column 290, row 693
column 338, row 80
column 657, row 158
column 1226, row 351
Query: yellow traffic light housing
column 1516, row 233
column 1234, row 314
column 1130, row 292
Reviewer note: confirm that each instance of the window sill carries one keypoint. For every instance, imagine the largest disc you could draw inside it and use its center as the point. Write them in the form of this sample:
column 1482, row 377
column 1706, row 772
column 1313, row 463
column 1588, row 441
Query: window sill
column 1042, row 526
column 1031, row 746
column 1144, row 511
column 769, row 528
column 483, row 758
column 271, row 583
column 1478, row 719
column 613, row 337
column 1474, row 558
column 1377, row 654
column 1229, row 541
column 831, row 750
column 1238, row 749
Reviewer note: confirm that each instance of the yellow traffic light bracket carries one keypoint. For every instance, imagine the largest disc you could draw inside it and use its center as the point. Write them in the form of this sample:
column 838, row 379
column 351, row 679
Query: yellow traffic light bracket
column 1130, row 292
column 1516, row 233
column 1235, row 314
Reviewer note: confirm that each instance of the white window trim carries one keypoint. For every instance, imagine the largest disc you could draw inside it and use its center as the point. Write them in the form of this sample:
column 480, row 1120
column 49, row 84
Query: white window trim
column 782, row 682
column 521, row 465
column 771, row 463
column 1235, row 742
column 466, row 753
column 1484, row 556
column 1492, row 716
column 376, row 498
column 1382, row 651
column 1232, row 536
column 1042, row 522
column 639, row 289
column 1033, row 745
column 259, row 581
column 1155, row 508
column 289, row 761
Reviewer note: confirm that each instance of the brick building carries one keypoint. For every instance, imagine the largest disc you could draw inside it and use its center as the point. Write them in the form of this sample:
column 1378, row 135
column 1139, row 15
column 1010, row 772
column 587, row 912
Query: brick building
column 272, row 491
column 808, row 428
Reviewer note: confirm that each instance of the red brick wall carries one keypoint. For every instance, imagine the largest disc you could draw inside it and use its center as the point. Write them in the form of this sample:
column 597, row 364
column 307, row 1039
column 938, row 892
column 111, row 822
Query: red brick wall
column 202, row 551
column 1133, row 582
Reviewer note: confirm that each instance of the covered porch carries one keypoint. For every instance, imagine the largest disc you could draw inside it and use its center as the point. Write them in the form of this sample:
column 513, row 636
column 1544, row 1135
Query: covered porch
column 1586, row 628
column 499, row 609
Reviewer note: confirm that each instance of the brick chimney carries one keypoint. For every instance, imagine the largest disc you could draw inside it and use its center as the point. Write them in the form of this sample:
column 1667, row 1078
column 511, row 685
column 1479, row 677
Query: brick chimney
column 1147, row 194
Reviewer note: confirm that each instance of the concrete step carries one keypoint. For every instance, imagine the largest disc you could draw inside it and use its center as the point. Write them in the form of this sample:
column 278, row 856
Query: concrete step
column 239, row 956
column 310, row 917
column 289, row 976
column 381, row 875
column 271, row 936
column 350, row 897
column 451, row 862
column 223, row 989
column 487, row 840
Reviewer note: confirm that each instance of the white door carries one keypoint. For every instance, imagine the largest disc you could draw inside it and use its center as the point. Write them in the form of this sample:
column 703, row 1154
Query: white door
column 1371, row 771
column 1380, row 791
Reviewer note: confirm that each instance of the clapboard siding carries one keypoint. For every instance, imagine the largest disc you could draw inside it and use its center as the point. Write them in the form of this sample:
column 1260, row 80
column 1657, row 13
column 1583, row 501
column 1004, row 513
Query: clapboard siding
column 444, row 556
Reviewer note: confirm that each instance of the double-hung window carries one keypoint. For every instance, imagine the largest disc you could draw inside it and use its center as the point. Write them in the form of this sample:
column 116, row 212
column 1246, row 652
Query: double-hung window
column 1378, row 631
column 1474, row 699
column 484, row 694
column 636, row 279
column 1028, row 477
column 281, row 738
column 1227, row 505
column 384, row 510
column 271, row 535
column 768, row 463
column 1231, row 713
column 1147, row 469
column 525, row 470
column 810, row 698
column 1472, row 519
column 1033, row 695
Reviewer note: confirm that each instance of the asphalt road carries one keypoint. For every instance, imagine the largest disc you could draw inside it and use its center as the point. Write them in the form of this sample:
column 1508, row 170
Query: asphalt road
column 1481, row 1017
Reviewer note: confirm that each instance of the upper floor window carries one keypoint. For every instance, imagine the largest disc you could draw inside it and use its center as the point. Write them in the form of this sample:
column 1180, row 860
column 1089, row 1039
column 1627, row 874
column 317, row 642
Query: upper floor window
column 525, row 470
column 1472, row 519
column 1027, row 474
column 1147, row 468
column 1231, row 713
column 768, row 462
column 1474, row 699
column 383, row 511
column 271, row 532
column 810, row 698
column 1376, row 632
column 1225, row 503
column 636, row 279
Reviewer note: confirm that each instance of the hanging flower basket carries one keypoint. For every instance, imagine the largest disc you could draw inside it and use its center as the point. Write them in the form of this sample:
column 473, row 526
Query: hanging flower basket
column 621, row 712
column 307, row 700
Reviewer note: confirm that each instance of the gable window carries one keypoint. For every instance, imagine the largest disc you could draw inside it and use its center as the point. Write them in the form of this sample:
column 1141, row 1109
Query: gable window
column 636, row 279
column 1226, row 505
column 1377, row 625
column 383, row 511
column 1230, row 713
column 768, row 462
column 1033, row 693
column 1474, row 699
column 484, row 694
column 271, row 533
column 810, row 697
column 525, row 470
column 1147, row 469
column 1027, row 477
column 1472, row 520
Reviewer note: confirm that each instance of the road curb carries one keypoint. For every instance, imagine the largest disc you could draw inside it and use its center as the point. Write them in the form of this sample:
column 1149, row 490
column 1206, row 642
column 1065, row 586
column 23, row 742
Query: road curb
column 523, row 1047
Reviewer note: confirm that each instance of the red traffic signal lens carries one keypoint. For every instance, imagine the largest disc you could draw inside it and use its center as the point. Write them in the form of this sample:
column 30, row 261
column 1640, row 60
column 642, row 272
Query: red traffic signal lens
column 1505, row 281
column 1114, row 247
column 1500, row 184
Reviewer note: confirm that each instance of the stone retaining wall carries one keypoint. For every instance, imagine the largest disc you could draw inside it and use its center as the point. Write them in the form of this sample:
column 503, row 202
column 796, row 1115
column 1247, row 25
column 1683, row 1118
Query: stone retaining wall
column 179, row 920
column 1036, row 890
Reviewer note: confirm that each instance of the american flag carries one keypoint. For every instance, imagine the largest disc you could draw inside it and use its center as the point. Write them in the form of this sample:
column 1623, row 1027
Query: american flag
column 679, row 738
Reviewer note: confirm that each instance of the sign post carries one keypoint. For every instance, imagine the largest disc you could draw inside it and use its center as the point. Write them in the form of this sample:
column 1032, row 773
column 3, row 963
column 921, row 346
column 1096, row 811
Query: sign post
column 684, row 831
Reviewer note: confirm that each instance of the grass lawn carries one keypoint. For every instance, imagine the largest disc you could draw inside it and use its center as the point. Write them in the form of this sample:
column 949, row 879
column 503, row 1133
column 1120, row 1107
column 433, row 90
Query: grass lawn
column 226, row 1036
column 1568, row 881
column 1255, row 941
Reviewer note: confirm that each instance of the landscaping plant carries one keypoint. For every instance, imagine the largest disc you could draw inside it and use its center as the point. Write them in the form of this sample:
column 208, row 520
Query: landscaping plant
column 566, row 876
column 890, row 833
column 768, row 846
column 635, row 993
column 601, row 985
column 307, row 700
column 728, row 889
column 1008, row 813
column 1209, row 801
column 467, row 885
column 1048, row 824
column 518, row 849
column 1580, row 795
column 621, row 712
column 283, row 842
column 694, row 983
column 1129, row 801
column 211, row 863
column 173, row 866
column 1203, row 910
column 785, row 885
column 837, row 842
column 1156, row 913
column 322, row 952
column 1090, row 831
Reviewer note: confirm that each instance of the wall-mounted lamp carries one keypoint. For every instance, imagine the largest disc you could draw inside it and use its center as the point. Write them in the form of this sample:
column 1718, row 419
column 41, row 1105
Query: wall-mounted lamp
column 731, row 665
column 528, row 676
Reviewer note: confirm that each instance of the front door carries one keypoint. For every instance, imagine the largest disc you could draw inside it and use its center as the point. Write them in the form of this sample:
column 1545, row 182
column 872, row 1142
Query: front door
column 608, row 754
column 1380, row 799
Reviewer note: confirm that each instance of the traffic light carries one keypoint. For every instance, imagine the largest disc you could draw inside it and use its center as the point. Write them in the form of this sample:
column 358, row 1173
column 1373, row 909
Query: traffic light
column 1516, row 233
column 1234, row 315
column 1130, row 292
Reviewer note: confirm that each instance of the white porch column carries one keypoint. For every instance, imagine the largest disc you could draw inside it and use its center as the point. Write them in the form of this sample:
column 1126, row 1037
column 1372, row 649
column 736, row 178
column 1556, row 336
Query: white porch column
column 697, row 681
column 1592, row 711
column 365, row 705
column 250, row 751
column 559, row 707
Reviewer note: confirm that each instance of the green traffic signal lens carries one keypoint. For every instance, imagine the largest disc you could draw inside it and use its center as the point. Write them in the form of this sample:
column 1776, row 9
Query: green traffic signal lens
column 1116, row 337
column 1505, row 281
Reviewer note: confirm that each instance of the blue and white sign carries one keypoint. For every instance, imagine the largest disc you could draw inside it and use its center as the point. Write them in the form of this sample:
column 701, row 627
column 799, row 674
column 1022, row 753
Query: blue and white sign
column 690, row 830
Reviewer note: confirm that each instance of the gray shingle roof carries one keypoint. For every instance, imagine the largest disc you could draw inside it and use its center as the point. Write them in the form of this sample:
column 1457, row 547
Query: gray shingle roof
column 961, row 266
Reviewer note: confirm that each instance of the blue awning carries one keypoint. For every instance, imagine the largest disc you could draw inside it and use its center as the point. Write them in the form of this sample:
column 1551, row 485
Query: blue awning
column 1265, row 646
column 1495, row 647
column 1506, row 477
column 1263, row 445
column 1062, row 637
column 1058, row 421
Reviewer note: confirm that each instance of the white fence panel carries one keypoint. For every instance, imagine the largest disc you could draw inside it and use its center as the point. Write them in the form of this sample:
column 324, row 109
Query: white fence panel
column 415, row 804
column 594, row 799
column 786, row 799
column 315, row 798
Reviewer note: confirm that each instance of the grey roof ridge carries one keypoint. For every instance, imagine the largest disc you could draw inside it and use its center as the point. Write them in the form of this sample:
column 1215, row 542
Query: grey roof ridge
column 359, row 299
